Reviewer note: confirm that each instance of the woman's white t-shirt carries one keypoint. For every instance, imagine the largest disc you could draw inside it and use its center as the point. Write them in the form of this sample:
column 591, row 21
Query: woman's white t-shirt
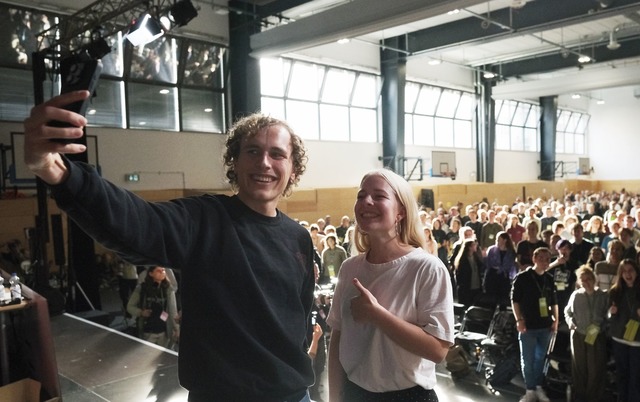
column 416, row 288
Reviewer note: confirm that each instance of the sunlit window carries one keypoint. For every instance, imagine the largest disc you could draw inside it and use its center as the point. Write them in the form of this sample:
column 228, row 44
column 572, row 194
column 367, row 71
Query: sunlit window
column 277, row 71
column 305, row 81
column 338, row 86
column 303, row 118
column 321, row 102
column 428, row 100
column 366, row 92
column 438, row 116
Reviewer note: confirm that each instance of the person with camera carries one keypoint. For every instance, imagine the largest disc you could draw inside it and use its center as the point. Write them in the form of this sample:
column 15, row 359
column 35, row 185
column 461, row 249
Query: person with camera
column 246, row 268
column 153, row 304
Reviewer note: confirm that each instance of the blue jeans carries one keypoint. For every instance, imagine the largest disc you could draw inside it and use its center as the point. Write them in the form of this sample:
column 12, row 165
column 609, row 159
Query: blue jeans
column 533, row 349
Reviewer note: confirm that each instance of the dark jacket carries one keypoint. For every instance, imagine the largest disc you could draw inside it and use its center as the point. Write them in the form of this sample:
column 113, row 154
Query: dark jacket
column 247, row 281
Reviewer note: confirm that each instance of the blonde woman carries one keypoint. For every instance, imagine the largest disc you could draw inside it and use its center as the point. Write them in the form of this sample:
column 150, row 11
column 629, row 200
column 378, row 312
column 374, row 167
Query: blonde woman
column 392, row 312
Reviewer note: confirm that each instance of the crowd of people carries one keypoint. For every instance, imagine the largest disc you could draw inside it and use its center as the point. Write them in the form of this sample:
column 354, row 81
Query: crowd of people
column 249, row 281
column 584, row 250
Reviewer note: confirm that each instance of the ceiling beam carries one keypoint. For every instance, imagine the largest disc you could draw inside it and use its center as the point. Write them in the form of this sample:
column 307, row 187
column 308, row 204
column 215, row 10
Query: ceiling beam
column 534, row 17
column 355, row 18
column 279, row 6
column 580, row 81
column 550, row 62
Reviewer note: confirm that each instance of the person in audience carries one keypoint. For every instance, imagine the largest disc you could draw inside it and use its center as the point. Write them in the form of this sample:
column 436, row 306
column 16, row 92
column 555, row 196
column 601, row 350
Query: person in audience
column 489, row 231
column 246, row 268
column 563, row 271
column 614, row 234
column 624, row 302
column 500, row 269
column 535, row 307
column 531, row 217
column 469, row 271
column 348, row 241
column 153, row 304
column 547, row 219
column 580, row 247
column 596, row 254
column 333, row 256
column 316, row 237
column 526, row 247
column 626, row 236
column 474, row 223
column 392, row 311
column 595, row 232
column 606, row 270
column 441, row 238
column 454, row 234
column 515, row 230
column 585, row 315
column 341, row 231
column 431, row 245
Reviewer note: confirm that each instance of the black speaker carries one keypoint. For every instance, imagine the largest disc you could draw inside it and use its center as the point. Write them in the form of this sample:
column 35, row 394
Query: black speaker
column 58, row 239
column 426, row 198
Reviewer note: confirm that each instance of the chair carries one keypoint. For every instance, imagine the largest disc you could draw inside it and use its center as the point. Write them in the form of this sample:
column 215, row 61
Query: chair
column 502, row 338
column 475, row 327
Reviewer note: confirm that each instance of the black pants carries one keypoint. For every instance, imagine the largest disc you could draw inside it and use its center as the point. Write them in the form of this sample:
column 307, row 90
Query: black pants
column 354, row 393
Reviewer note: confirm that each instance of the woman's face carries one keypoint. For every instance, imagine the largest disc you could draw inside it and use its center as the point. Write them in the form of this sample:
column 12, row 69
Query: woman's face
column 377, row 208
column 587, row 282
column 597, row 254
column 628, row 274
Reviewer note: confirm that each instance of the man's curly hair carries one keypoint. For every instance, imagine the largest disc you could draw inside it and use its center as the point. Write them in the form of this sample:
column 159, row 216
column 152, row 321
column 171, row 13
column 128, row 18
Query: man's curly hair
column 248, row 127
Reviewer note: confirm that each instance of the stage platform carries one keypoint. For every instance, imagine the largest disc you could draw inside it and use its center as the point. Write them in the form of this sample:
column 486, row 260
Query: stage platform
column 98, row 363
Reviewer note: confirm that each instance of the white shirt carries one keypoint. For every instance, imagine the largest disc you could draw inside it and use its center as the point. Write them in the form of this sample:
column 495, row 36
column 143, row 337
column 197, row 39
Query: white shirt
column 416, row 288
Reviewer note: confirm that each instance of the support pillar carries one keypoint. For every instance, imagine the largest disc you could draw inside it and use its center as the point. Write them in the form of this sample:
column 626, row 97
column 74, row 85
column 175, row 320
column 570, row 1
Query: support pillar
column 548, row 121
column 393, row 66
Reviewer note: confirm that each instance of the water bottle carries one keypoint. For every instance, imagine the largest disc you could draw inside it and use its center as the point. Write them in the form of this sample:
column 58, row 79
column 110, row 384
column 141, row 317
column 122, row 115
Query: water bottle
column 16, row 288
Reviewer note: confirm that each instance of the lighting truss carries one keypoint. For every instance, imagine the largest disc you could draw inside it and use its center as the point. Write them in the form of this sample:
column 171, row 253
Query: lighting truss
column 106, row 16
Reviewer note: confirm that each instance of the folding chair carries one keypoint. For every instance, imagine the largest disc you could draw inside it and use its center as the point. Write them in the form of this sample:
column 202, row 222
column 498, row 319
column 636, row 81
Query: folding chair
column 475, row 327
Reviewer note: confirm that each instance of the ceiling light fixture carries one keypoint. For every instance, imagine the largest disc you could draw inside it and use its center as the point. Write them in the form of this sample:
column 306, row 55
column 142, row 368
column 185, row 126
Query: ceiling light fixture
column 343, row 41
column 182, row 12
column 613, row 42
column 600, row 102
column 489, row 75
column 584, row 59
column 434, row 62
column 144, row 30
column 453, row 12
column 576, row 96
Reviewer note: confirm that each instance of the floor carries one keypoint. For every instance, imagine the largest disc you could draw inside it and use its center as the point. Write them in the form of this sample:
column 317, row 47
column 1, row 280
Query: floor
column 100, row 363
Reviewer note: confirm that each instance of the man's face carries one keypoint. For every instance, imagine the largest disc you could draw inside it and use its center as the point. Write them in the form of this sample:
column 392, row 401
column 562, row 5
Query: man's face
column 542, row 260
column 264, row 168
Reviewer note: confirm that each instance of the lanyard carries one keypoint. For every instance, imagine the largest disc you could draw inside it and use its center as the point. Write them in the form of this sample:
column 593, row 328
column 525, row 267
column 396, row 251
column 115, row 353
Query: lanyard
column 535, row 280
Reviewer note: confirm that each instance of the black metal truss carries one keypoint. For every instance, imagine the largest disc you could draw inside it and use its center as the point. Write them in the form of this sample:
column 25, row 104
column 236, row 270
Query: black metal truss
column 106, row 16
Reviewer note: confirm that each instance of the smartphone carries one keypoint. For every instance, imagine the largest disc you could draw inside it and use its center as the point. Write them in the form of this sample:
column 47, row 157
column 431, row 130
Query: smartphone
column 77, row 74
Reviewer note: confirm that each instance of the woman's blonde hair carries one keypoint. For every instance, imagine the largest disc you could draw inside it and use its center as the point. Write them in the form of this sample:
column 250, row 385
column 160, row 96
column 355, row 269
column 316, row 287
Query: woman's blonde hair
column 409, row 229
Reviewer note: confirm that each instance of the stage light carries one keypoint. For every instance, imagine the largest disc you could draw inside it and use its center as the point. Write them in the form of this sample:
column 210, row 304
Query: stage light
column 98, row 48
column 182, row 12
column 144, row 30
